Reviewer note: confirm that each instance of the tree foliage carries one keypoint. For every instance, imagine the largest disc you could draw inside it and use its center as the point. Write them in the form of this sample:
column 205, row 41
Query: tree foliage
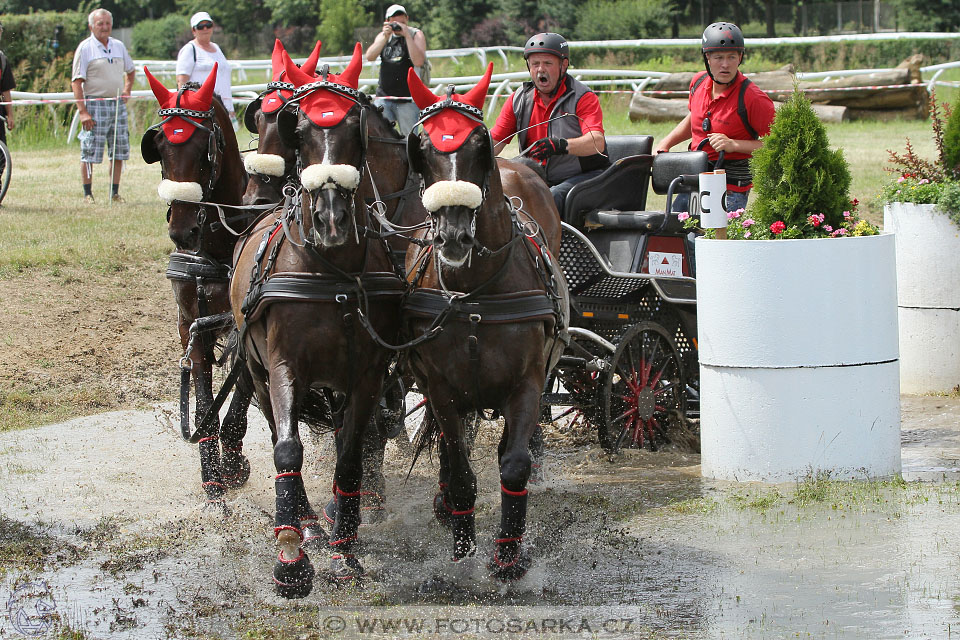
column 795, row 173
column 338, row 20
column 623, row 19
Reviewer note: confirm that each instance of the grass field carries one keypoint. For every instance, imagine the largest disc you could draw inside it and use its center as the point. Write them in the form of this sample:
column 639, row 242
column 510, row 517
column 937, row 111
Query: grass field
column 86, row 316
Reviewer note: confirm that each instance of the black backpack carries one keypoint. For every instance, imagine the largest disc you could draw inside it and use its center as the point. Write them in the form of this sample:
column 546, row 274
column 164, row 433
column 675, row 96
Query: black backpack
column 741, row 107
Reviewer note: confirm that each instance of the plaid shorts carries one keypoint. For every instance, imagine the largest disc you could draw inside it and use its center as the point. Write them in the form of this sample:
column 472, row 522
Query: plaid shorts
column 104, row 112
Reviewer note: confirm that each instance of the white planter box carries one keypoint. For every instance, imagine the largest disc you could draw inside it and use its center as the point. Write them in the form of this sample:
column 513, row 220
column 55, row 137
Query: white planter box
column 799, row 367
column 928, row 269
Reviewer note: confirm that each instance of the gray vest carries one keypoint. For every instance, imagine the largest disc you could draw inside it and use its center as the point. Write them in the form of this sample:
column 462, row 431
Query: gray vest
column 559, row 168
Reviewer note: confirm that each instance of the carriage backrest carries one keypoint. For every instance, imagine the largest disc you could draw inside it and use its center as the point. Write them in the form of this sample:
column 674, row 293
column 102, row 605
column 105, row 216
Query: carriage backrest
column 667, row 166
column 619, row 147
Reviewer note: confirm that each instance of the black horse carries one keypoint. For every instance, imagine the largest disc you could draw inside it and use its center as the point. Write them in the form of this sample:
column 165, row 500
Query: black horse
column 488, row 280
column 200, row 162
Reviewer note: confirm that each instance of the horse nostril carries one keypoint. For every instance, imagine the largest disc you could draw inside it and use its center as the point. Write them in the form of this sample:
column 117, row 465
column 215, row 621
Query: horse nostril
column 464, row 238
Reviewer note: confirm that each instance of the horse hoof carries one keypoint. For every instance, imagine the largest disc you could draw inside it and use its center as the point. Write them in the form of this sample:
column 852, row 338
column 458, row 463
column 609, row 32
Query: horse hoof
column 345, row 568
column 293, row 578
column 236, row 471
column 510, row 570
column 444, row 517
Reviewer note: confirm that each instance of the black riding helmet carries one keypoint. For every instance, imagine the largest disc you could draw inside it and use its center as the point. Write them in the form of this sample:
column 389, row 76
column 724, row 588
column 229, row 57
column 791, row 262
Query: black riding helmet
column 547, row 43
column 721, row 36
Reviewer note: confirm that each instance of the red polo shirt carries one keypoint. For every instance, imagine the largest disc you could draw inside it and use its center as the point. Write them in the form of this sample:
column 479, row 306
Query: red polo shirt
column 724, row 117
column 588, row 110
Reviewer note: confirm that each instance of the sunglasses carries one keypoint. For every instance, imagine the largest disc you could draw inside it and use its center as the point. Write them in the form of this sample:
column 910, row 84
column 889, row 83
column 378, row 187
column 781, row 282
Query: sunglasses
column 204, row 25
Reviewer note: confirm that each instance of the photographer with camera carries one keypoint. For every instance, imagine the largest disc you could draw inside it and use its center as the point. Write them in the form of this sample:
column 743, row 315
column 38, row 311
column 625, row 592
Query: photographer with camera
column 399, row 47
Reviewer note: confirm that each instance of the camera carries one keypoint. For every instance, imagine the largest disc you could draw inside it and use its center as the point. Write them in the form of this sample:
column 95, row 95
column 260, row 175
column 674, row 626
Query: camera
column 396, row 27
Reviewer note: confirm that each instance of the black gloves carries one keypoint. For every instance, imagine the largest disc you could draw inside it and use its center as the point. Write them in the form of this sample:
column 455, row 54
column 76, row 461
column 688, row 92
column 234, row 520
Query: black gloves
column 546, row 147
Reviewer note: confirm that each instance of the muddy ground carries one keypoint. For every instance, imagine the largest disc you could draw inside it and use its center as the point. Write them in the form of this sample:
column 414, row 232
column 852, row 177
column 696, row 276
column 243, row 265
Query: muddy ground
column 103, row 533
column 104, row 536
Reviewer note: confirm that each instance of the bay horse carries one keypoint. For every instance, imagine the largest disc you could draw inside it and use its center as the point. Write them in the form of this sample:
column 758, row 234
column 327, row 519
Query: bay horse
column 200, row 162
column 489, row 279
column 396, row 196
column 307, row 284
column 271, row 166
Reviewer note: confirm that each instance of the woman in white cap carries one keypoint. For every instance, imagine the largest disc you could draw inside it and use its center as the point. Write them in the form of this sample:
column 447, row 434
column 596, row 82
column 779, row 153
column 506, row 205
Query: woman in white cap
column 197, row 57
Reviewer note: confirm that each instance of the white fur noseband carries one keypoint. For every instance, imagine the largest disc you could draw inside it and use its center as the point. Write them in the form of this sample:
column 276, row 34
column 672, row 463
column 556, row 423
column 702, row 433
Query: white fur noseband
column 187, row 191
column 452, row 193
column 325, row 175
column 266, row 164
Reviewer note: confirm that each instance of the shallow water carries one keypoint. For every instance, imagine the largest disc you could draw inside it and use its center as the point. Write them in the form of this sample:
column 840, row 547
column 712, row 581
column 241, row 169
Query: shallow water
column 640, row 546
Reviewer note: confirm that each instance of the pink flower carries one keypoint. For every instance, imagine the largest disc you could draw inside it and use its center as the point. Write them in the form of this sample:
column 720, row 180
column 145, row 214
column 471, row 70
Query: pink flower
column 746, row 235
column 747, row 222
column 846, row 214
column 816, row 219
column 838, row 232
column 683, row 215
column 778, row 227
column 827, row 228
column 733, row 214
column 901, row 179
column 923, row 181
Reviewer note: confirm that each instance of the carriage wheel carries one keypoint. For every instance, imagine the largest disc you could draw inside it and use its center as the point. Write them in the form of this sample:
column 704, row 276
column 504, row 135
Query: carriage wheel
column 5, row 171
column 644, row 391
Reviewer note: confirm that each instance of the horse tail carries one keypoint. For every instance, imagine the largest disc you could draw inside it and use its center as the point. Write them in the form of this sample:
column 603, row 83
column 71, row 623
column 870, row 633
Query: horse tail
column 428, row 437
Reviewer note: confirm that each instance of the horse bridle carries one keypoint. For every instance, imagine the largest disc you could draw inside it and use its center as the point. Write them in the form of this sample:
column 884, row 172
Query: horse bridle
column 215, row 144
column 354, row 95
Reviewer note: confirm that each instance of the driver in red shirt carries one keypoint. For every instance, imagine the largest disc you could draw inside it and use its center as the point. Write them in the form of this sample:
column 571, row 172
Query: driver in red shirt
column 727, row 113
column 556, row 118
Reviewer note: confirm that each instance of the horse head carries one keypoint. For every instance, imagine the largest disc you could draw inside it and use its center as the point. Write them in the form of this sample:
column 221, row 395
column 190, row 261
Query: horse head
column 328, row 134
column 273, row 163
column 454, row 154
column 191, row 143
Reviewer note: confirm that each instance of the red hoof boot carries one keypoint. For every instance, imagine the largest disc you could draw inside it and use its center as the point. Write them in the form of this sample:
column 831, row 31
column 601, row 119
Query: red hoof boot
column 293, row 578
column 344, row 568
column 512, row 569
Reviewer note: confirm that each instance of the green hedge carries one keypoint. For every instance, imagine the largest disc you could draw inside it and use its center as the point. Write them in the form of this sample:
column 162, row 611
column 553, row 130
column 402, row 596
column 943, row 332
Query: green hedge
column 160, row 39
column 27, row 42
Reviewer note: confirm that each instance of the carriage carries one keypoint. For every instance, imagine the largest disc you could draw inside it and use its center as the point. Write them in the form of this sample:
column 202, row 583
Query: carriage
column 631, row 368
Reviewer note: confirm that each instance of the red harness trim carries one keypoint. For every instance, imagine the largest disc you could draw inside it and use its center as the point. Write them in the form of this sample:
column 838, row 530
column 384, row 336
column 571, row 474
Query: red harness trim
column 504, row 540
column 289, row 474
column 517, row 494
column 208, row 438
column 334, row 543
column 353, row 494
column 280, row 558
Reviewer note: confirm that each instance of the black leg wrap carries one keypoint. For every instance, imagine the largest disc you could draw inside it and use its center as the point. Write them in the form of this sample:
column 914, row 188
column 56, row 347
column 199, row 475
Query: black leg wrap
column 464, row 536
column 510, row 559
column 444, row 517
column 234, row 466
column 289, row 489
column 330, row 511
column 344, row 567
column 343, row 536
column 293, row 579
column 210, row 469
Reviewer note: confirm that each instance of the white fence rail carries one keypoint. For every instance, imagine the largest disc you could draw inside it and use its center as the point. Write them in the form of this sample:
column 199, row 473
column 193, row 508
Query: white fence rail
column 504, row 83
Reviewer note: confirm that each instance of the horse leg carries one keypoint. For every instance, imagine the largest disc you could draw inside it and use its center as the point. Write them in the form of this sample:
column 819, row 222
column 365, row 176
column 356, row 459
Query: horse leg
column 510, row 559
column 441, row 499
column 210, row 471
column 373, row 482
column 292, row 573
column 461, row 492
column 349, row 475
column 235, row 466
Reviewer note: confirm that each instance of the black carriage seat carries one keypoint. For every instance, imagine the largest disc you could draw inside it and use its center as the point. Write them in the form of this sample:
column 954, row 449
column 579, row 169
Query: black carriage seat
column 623, row 185
column 665, row 167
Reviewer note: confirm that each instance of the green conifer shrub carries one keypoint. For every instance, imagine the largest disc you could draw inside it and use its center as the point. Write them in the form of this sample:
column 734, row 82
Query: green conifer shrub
column 795, row 173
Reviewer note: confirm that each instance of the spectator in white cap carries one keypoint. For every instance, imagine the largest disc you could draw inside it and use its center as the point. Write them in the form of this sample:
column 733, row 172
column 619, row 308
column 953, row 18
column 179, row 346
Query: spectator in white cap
column 399, row 47
column 196, row 59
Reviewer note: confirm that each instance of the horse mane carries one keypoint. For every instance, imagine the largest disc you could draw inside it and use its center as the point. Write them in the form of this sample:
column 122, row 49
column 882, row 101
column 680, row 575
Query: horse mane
column 367, row 101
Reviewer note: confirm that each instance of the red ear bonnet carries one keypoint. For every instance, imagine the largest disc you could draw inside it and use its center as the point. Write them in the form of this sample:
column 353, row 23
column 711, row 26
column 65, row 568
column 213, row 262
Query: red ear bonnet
column 177, row 130
column 324, row 107
column 448, row 129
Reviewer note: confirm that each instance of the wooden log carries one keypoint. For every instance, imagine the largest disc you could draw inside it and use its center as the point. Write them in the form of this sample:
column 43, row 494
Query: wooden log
column 674, row 110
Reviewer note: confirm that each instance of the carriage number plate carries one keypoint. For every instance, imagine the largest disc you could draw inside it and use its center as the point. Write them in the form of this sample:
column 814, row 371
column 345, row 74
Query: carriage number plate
column 665, row 264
